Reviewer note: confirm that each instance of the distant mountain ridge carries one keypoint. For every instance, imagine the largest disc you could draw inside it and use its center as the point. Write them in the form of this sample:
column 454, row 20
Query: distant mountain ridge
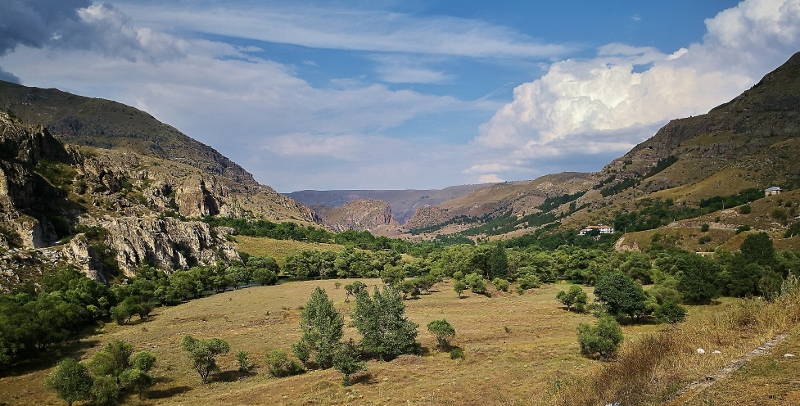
column 403, row 202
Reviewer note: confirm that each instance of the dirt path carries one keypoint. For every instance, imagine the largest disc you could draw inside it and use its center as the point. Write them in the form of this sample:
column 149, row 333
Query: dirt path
column 693, row 389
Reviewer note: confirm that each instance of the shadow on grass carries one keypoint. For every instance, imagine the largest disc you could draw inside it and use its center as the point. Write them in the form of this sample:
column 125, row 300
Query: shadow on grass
column 51, row 357
column 365, row 378
column 167, row 393
column 230, row 376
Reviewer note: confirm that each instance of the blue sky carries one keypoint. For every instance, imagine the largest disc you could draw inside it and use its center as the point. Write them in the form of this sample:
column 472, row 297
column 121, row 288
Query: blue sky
column 403, row 94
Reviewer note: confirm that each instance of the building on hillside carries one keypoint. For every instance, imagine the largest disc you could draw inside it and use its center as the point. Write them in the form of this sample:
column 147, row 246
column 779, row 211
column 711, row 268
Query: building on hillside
column 771, row 191
column 595, row 230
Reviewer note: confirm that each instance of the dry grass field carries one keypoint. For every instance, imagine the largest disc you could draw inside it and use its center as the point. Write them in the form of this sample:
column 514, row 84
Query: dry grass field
column 514, row 345
column 520, row 349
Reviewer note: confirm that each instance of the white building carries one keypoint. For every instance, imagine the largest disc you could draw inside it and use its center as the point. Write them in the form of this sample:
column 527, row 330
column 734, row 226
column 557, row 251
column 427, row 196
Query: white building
column 603, row 229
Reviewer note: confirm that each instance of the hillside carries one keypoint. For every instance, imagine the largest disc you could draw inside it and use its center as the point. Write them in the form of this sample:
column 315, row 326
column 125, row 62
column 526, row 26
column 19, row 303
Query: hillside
column 402, row 202
column 359, row 215
column 109, row 211
column 753, row 141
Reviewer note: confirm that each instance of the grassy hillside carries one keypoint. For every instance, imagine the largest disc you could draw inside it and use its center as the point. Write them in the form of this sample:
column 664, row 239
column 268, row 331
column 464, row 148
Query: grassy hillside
column 519, row 350
column 280, row 249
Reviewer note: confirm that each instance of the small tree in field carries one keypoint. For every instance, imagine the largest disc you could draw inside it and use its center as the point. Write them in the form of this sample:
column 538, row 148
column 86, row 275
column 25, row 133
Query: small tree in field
column 385, row 331
column 459, row 287
column 346, row 360
column 575, row 296
column 70, row 380
column 203, row 354
column 443, row 332
column 602, row 338
column 322, row 328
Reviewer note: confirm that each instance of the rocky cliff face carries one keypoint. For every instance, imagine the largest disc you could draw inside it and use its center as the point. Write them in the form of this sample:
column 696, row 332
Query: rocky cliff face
column 51, row 193
column 359, row 215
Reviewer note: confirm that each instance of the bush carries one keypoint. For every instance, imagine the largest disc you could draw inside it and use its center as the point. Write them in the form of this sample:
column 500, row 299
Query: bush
column 385, row 331
column 602, row 339
column 574, row 297
column 745, row 209
column 529, row 282
column 244, row 362
column 346, row 360
column 704, row 227
column 279, row 364
column 443, row 332
column 670, row 312
column 742, row 228
column 456, row 353
column 501, row 284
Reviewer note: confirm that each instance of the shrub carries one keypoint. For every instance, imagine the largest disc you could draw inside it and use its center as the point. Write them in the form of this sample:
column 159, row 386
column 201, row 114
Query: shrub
column 745, row 209
column 742, row 228
column 476, row 283
column 704, row 227
column 279, row 364
column 574, row 297
column 346, row 360
column 602, row 339
column 456, row 353
column 459, row 286
column 501, row 284
column 529, row 282
column 244, row 363
column 70, row 380
column 443, row 332
column 670, row 312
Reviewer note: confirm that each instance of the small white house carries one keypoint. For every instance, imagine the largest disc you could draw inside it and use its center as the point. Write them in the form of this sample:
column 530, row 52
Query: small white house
column 771, row 191
column 601, row 228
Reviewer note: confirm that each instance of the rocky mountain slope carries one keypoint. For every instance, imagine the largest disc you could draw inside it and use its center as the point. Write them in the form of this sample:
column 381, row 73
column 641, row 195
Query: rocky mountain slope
column 359, row 215
column 752, row 141
column 103, row 211
column 403, row 202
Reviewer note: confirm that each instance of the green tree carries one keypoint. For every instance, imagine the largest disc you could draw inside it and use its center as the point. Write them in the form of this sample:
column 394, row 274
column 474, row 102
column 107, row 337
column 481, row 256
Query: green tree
column 490, row 260
column 112, row 360
column 385, row 331
column 352, row 289
column 202, row 353
column 105, row 390
column 670, row 312
column 575, row 296
column 476, row 283
column 758, row 249
column 279, row 364
column 70, row 380
column 346, row 360
column 603, row 338
column 620, row 295
column 698, row 278
column 443, row 332
column 459, row 286
column 322, row 326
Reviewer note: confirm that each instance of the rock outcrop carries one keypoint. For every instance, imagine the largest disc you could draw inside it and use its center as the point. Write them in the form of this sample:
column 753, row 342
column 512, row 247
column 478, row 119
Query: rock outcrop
column 360, row 215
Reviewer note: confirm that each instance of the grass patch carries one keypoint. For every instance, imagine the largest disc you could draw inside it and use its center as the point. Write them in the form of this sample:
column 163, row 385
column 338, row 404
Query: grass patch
column 280, row 249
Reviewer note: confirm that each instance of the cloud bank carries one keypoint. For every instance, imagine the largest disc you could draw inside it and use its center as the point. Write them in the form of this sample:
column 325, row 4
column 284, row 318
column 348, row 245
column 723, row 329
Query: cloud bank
column 605, row 105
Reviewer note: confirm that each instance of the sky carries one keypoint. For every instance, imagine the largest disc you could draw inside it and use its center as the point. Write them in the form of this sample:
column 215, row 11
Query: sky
column 411, row 94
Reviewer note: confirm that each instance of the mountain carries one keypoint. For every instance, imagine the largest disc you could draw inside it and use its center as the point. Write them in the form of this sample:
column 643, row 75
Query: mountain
column 107, row 124
column 108, row 188
column 753, row 141
column 360, row 215
column 218, row 186
column 402, row 202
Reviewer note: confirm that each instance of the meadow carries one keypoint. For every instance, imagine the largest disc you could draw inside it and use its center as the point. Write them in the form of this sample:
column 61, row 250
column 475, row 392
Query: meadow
column 519, row 350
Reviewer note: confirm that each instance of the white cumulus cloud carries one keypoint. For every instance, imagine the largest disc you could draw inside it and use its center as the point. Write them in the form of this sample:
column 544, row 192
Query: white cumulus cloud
column 609, row 103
